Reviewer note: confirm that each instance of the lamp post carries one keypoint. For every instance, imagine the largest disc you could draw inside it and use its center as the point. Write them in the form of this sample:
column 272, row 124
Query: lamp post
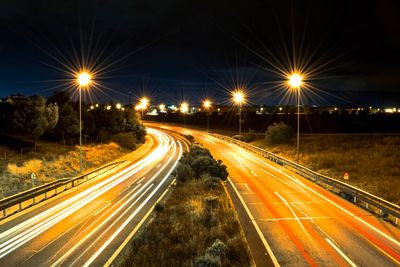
column 83, row 79
column 207, row 105
column 143, row 105
column 184, row 110
column 295, row 80
column 238, row 98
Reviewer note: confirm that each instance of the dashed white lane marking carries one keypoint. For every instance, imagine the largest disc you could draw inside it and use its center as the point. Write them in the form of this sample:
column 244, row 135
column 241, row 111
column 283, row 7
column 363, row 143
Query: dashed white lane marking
column 340, row 252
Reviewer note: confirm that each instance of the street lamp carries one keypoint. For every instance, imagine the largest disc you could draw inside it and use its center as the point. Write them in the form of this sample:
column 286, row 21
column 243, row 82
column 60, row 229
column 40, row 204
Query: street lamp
column 83, row 79
column 295, row 81
column 161, row 107
column 207, row 104
column 238, row 98
column 184, row 109
column 143, row 105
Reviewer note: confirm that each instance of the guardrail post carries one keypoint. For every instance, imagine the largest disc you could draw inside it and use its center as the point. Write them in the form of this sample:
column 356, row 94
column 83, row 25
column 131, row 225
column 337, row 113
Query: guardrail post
column 55, row 191
column 4, row 213
column 33, row 200
column 397, row 220
column 366, row 206
column 19, row 206
column 45, row 195
column 354, row 199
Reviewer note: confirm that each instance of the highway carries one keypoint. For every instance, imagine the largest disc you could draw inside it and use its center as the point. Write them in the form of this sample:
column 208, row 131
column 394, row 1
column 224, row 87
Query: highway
column 290, row 221
column 85, row 226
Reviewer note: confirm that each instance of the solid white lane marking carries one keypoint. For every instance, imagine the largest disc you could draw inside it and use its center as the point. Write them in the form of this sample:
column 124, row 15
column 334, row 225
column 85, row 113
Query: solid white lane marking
column 340, row 252
column 258, row 230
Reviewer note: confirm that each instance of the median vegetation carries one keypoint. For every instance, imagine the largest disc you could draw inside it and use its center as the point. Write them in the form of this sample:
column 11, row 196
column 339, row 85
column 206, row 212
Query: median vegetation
column 196, row 225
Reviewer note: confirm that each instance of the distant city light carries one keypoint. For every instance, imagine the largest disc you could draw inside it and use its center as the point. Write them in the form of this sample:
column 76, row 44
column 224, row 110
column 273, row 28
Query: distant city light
column 161, row 107
column 207, row 104
column 119, row 106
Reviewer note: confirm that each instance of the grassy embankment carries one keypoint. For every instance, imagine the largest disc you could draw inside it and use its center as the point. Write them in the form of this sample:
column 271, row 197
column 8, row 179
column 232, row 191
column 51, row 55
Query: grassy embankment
column 372, row 161
column 51, row 161
column 196, row 224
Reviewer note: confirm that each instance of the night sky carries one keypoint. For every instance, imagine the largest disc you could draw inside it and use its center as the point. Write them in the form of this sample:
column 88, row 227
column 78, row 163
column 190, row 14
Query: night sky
column 173, row 50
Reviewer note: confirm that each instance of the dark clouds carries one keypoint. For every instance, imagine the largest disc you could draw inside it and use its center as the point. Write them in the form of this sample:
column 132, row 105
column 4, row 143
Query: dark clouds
column 186, row 46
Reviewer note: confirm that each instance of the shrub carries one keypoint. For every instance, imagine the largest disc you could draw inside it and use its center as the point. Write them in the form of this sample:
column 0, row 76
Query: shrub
column 183, row 172
column 127, row 140
column 278, row 133
column 211, row 182
column 249, row 137
column 207, row 261
column 218, row 248
column 202, row 164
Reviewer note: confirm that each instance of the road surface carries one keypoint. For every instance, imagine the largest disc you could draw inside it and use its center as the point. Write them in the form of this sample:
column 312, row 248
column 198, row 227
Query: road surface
column 86, row 225
column 296, row 222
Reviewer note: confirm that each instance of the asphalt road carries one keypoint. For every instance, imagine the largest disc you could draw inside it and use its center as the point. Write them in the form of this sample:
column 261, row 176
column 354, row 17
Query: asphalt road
column 86, row 225
column 291, row 221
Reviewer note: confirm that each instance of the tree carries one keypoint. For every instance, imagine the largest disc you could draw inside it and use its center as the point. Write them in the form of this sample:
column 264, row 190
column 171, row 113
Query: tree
column 33, row 117
column 68, row 124
column 279, row 133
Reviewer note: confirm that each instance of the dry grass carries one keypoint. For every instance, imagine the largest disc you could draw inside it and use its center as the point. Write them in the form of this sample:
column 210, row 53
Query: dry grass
column 372, row 161
column 192, row 218
column 15, row 178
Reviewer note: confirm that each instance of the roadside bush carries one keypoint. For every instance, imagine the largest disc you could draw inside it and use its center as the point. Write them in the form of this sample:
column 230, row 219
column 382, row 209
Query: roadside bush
column 207, row 261
column 218, row 248
column 104, row 135
column 127, row 140
column 183, row 172
column 249, row 137
column 279, row 133
column 211, row 182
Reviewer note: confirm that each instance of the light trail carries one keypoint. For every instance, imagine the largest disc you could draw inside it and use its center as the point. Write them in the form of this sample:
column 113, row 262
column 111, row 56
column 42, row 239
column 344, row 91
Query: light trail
column 24, row 232
column 67, row 254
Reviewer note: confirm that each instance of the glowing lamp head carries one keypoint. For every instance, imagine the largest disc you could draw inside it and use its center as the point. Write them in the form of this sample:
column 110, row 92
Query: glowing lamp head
column 161, row 107
column 184, row 107
column 238, row 97
column 295, row 80
column 119, row 106
column 144, row 102
column 207, row 104
column 84, row 78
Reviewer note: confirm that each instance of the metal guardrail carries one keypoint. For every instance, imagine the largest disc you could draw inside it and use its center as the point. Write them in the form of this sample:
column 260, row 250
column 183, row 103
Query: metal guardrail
column 28, row 198
column 389, row 211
